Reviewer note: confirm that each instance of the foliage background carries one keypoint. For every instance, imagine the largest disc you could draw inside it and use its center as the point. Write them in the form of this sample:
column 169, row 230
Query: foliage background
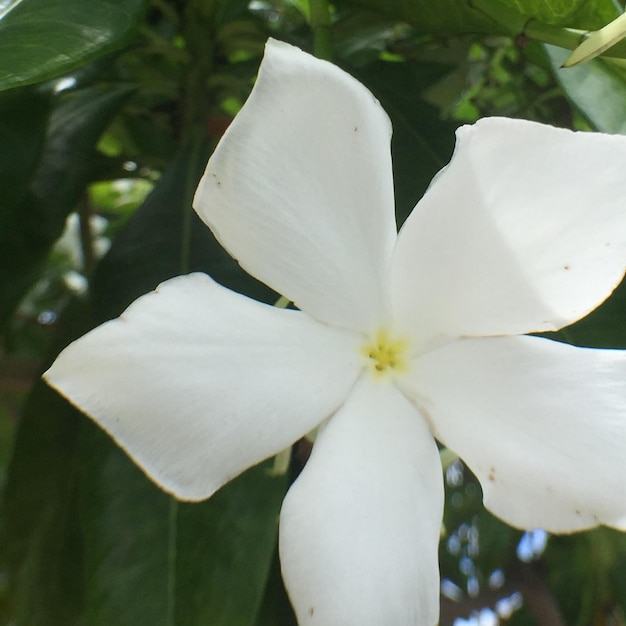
column 108, row 111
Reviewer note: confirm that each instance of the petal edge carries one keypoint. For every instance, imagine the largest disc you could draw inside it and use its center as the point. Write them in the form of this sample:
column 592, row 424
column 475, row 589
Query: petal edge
column 360, row 526
column 300, row 189
column 198, row 383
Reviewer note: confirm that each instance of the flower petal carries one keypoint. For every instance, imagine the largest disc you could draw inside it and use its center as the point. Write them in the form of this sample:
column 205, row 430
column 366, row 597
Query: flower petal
column 360, row 527
column 523, row 231
column 300, row 189
column 198, row 383
column 542, row 424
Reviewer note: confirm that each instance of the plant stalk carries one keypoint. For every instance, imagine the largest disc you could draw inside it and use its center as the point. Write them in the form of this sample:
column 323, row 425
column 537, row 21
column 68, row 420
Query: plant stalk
column 321, row 28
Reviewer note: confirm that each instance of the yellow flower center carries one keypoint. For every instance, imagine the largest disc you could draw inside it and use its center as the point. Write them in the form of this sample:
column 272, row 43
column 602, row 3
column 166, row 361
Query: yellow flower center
column 386, row 354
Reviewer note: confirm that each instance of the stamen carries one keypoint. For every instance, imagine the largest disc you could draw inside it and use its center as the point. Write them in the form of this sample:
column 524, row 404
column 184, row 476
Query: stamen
column 386, row 353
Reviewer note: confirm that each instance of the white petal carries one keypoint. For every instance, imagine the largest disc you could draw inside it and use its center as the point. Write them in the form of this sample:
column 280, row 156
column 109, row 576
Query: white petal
column 360, row 527
column 542, row 424
column 197, row 383
column 300, row 189
column 523, row 231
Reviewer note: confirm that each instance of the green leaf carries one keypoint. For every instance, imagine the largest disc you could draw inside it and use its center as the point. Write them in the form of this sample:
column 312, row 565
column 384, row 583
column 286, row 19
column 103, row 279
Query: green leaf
column 40, row 39
column 422, row 143
column 444, row 17
column 597, row 88
column 502, row 17
column 585, row 14
column 276, row 609
column 191, row 564
column 41, row 545
column 225, row 550
column 23, row 121
column 46, row 163
column 581, row 570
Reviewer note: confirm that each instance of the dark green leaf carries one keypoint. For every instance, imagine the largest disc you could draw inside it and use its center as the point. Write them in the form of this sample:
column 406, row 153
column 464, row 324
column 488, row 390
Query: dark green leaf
column 225, row 550
column 46, row 165
column 570, row 13
column 445, row 17
column 582, row 570
column 276, row 609
column 422, row 143
column 189, row 564
column 503, row 17
column 23, row 120
column 585, row 14
column 40, row 39
column 41, row 540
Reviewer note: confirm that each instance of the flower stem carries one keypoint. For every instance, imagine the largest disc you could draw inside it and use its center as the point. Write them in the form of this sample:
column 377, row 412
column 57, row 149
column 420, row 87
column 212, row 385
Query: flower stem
column 320, row 26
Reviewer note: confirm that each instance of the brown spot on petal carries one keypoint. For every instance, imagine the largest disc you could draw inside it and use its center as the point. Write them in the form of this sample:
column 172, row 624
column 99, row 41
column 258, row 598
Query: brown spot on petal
column 311, row 610
column 566, row 267
column 492, row 474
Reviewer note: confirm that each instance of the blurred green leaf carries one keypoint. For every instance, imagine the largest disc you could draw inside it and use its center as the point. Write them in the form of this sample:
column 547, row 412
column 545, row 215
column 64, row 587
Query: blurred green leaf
column 46, row 164
column 445, row 17
column 151, row 561
column 597, row 88
column 617, row 577
column 276, row 609
column 582, row 572
column 225, row 549
column 454, row 17
column 23, row 122
column 584, row 14
column 40, row 39
column 422, row 142
column 41, row 539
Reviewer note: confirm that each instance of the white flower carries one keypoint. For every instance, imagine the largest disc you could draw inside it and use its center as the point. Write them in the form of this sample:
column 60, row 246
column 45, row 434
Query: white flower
column 399, row 339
